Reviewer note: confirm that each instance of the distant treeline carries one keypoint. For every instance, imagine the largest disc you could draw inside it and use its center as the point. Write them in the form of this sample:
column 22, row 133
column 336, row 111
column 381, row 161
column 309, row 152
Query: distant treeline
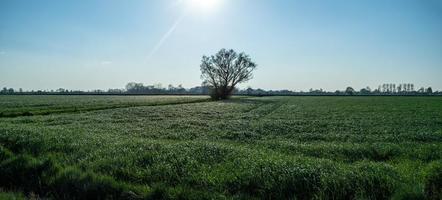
column 132, row 88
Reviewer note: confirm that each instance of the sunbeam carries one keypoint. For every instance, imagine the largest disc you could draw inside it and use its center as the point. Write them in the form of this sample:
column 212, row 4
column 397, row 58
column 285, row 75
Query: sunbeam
column 165, row 36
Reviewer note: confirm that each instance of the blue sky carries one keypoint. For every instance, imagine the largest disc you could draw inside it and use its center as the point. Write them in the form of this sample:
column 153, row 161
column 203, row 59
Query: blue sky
column 297, row 44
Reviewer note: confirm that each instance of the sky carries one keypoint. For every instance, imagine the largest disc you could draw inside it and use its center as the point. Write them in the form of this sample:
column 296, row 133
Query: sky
column 297, row 44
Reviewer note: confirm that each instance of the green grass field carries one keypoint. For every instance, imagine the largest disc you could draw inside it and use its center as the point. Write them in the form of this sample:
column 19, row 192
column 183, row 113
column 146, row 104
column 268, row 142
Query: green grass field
column 78, row 147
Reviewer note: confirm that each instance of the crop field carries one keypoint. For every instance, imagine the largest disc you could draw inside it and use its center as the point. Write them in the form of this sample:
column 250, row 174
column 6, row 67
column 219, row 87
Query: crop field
column 187, row 147
column 13, row 106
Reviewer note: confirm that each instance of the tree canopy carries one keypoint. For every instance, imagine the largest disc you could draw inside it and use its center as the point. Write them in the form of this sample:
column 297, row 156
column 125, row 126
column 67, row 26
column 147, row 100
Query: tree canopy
column 223, row 71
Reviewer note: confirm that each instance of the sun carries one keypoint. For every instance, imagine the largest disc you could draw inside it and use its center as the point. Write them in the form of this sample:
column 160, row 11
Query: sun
column 204, row 5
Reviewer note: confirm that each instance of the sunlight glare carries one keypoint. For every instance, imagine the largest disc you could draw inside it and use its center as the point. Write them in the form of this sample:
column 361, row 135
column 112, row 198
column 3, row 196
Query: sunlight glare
column 206, row 6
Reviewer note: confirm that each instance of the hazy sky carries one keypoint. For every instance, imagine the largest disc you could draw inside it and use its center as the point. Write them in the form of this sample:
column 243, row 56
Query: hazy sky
column 298, row 44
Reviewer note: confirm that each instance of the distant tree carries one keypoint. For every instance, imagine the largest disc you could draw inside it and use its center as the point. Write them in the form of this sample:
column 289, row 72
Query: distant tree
column 158, row 86
column 349, row 91
column 224, row 71
column 365, row 91
column 429, row 90
column 249, row 90
column 115, row 91
column 384, row 88
column 170, row 88
column 135, row 87
column 180, row 89
column 399, row 88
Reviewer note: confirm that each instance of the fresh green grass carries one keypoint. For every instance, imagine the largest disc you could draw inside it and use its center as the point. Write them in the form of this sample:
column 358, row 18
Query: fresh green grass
column 246, row 148
column 11, row 196
column 14, row 106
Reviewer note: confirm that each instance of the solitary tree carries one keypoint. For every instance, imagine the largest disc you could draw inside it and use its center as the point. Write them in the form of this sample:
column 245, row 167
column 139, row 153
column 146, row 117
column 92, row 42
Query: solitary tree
column 365, row 91
column 429, row 90
column 349, row 91
column 224, row 71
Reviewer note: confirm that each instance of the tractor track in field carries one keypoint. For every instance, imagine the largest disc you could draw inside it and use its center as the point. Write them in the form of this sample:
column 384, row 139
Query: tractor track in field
column 264, row 110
